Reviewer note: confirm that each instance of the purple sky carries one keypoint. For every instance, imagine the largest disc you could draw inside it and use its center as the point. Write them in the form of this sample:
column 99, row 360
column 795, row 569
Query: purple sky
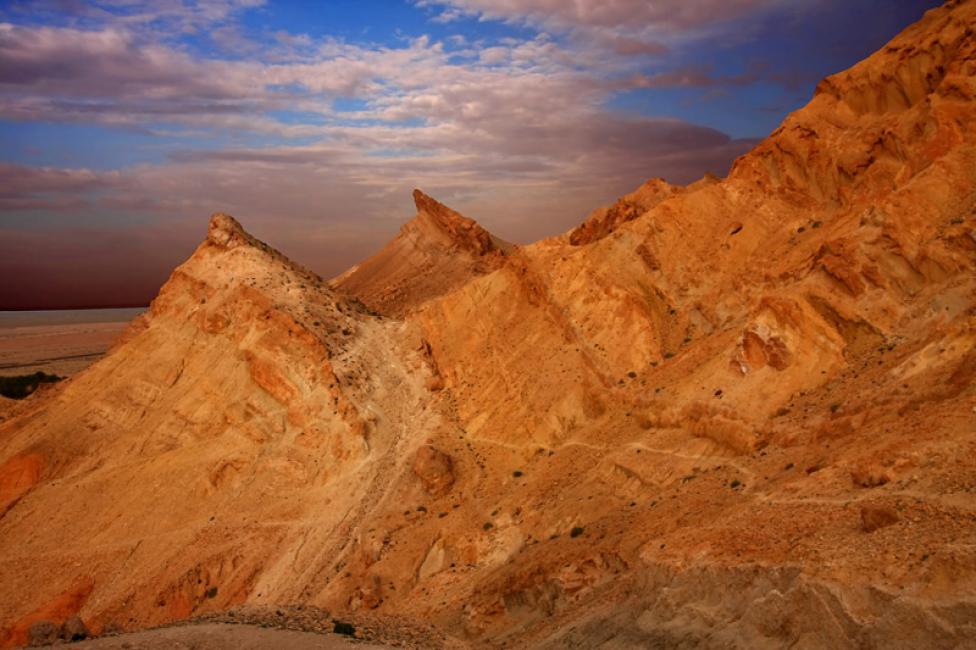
column 125, row 123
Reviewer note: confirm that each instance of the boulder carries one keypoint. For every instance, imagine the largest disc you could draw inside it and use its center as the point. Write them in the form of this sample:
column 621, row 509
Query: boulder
column 74, row 629
column 435, row 469
column 43, row 633
column 875, row 517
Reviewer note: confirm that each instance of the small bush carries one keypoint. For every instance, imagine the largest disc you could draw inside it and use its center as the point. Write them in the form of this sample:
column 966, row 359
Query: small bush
column 576, row 532
column 21, row 386
column 735, row 483
column 341, row 627
column 488, row 525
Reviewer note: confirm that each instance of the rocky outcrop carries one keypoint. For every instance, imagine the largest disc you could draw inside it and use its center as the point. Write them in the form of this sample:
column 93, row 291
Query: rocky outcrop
column 435, row 470
column 875, row 517
column 436, row 252
column 437, row 221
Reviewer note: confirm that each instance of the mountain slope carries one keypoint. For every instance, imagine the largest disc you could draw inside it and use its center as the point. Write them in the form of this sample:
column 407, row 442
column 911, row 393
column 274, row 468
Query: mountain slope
column 792, row 347
column 737, row 414
column 436, row 252
column 230, row 428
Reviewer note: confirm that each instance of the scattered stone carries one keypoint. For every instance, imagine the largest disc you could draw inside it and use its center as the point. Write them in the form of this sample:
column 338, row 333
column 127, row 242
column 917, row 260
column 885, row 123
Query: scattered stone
column 875, row 517
column 43, row 633
column 870, row 476
column 74, row 629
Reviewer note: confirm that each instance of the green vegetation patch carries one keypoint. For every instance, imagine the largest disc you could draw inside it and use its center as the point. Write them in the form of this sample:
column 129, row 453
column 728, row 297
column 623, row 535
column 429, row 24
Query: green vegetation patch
column 21, row 386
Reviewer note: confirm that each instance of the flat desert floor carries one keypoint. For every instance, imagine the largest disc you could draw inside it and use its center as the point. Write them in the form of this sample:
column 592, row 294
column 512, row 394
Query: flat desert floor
column 58, row 342
column 217, row 636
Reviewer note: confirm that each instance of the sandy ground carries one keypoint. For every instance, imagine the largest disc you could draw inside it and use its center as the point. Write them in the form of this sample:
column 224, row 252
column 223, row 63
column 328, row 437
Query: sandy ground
column 63, row 348
column 217, row 636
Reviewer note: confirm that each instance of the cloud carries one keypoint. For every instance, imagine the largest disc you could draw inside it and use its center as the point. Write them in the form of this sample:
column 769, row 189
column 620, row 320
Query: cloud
column 624, row 27
column 671, row 14
column 154, row 18
column 516, row 132
column 520, row 116
column 526, row 183
column 697, row 76
column 66, row 74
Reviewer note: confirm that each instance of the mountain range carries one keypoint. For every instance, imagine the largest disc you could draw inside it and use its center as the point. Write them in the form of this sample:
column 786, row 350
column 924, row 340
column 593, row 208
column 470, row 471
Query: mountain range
column 738, row 413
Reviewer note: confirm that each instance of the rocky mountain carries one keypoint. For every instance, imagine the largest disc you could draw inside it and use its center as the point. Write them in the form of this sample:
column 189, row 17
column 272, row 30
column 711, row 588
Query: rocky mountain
column 735, row 414
column 435, row 253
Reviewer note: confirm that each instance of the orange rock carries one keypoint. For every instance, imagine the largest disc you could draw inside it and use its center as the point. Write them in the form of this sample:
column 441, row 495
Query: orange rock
column 18, row 475
column 436, row 252
column 435, row 469
column 61, row 608
column 875, row 517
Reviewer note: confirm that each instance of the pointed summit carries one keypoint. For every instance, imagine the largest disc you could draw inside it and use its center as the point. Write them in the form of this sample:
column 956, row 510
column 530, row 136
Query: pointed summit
column 459, row 230
column 436, row 252
column 226, row 231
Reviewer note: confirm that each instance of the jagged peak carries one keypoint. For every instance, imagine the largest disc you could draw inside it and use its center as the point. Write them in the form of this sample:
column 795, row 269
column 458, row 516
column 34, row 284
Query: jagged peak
column 230, row 259
column 461, row 231
column 436, row 251
column 910, row 68
column 873, row 123
column 428, row 204
column 227, row 232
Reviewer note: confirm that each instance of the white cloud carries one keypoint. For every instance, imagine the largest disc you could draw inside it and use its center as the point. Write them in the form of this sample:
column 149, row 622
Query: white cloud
column 516, row 131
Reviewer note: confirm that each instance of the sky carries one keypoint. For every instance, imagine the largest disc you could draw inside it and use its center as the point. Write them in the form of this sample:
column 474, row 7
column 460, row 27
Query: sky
column 125, row 123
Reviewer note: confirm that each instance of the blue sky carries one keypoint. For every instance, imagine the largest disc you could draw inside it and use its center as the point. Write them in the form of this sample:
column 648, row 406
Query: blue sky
column 130, row 120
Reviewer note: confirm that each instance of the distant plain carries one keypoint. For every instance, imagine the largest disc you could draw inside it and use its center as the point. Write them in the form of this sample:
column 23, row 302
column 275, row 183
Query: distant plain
column 59, row 342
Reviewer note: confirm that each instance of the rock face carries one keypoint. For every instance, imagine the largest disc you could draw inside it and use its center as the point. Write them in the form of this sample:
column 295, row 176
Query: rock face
column 673, row 426
column 435, row 253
